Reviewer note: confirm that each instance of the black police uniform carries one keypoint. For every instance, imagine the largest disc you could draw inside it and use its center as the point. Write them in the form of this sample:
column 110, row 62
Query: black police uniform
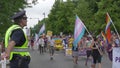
column 17, row 35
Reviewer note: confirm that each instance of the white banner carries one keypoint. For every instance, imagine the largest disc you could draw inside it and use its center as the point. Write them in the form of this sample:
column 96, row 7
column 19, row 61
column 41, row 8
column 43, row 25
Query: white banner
column 116, row 57
column 28, row 31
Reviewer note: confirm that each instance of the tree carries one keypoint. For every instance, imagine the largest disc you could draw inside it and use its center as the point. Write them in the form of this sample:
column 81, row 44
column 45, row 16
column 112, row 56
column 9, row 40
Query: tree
column 112, row 7
column 61, row 17
column 91, row 12
column 7, row 9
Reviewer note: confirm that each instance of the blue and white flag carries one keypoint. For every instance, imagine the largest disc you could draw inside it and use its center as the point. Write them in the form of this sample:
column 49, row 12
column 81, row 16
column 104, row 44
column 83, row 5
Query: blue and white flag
column 42, row 30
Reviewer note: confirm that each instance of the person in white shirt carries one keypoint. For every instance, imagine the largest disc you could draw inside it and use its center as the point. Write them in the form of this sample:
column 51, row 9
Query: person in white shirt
column 41, row 44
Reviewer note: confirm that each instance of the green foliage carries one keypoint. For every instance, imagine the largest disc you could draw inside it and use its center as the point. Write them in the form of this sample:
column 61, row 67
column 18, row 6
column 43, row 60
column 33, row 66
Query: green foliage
column 7, row 9
column 61, row 18
column 111, row 7
column 91, row 12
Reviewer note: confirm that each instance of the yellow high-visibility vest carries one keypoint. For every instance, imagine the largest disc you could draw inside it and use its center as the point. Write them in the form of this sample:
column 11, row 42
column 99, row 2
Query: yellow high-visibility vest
column 23, row 50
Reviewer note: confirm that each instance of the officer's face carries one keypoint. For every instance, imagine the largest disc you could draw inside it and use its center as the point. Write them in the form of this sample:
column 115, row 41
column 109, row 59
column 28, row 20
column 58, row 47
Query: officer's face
column 24, row 19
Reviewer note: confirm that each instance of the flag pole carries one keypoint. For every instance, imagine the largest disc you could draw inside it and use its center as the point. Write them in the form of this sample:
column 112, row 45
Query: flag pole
column 116, row 30
column 87, row 30
column 114, row 27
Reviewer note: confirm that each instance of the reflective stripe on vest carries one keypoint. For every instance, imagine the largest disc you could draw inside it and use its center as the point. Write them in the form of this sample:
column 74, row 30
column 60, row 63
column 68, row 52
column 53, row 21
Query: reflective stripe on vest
column 20, row 50
column 16, row 50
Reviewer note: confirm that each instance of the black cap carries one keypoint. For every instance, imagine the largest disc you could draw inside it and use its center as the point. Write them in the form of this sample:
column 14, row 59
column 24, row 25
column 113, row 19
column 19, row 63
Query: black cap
column 18, row 14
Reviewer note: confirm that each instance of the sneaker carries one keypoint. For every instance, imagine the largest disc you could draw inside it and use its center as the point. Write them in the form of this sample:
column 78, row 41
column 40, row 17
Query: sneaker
column 75, row 62
column 51, row 58
column 85, row 64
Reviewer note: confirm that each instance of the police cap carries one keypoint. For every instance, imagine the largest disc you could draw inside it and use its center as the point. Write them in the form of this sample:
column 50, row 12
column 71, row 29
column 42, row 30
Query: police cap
column 19, row 14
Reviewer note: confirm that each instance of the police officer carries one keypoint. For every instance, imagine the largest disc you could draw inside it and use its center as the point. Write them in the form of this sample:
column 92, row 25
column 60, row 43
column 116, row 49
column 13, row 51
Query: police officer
column 16, row 42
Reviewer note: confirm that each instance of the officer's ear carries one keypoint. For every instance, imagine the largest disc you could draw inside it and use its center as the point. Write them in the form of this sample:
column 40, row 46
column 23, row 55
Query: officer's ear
column 18, row 20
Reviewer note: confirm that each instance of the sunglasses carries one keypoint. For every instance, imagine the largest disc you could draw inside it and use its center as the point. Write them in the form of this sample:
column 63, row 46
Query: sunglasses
column 25, row 18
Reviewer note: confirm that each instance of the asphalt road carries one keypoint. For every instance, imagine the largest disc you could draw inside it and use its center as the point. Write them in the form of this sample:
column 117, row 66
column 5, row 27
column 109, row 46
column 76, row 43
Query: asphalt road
column 61, row 61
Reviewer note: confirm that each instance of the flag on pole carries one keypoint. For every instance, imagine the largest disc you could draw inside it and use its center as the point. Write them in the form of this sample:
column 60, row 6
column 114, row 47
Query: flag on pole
column 107, row 29
column 42, row 29
column 79, row 31
column 108, row 21
column 36, row 43
column 36, row 37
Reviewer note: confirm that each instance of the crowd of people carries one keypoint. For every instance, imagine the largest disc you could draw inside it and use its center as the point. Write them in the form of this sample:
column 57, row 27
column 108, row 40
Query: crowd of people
column 44, row 43
column 95, row 48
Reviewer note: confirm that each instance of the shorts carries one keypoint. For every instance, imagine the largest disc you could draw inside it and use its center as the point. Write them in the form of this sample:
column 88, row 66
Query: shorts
column 97, row 59
column 75, row 53
column 89, row 53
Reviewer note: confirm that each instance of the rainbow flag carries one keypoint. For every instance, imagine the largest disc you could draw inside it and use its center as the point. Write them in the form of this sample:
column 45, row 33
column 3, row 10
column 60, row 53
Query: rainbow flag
column 108, row 21
column 79, row 31
column 107, row 29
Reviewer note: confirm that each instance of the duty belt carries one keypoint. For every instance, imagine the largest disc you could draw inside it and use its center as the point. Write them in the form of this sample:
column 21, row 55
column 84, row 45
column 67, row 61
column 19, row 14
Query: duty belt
column 20, row 50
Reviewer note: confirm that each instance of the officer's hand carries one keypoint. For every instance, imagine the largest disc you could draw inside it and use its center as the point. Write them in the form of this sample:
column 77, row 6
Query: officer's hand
column 4, row 55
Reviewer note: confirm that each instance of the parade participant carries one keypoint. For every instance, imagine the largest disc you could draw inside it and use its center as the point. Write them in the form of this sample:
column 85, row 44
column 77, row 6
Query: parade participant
column 32, row 43
column 65, row 42
column 117, row 40
column 41, row 44
column 70, row 40
column 51, row 47
column 96, row 53
column 75, row 52
column 45, row 41
column 16, row 42
column 110, row 47
column 88, row 49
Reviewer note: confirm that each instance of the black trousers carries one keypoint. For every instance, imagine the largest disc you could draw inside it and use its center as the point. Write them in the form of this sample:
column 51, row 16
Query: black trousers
column 41, row 48
column 20, row 61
